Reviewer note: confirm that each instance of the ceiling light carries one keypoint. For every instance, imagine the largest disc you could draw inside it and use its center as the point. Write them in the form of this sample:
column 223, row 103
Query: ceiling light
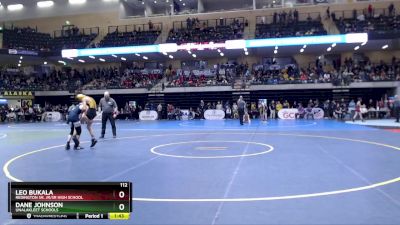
column 20, row 61
column 45, row 63
column 304, row 46
column 167, row 1
column 189, row 52
column 183, row 4
column 15, row 7
column 123, row 59
column 21, row 57
column 164, row 53
column 143, row 3
column 276, row 47
column 114, row 56
column 81, row 60
column 333, row 45
column 145, row 57
column 19, row 65
column 246, row 53
column 137, row 54
column 245, row 49
column 329, row 49
column 171, row 56
column 385, row 46
column 45, row 4
column 275, row 51
column 155, row 2
column 302, row 50
column 364, row 43
column 74, row 2
column 70, row 58
column 356, row 48
column 101, row 59
column 62, row 62
column 92, row 57
column 221, row 54
column 194, row 55
column 218, row 50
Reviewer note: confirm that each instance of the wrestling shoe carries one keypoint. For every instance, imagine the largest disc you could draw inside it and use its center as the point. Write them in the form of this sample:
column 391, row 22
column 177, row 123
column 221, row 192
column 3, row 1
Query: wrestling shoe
column 94, row 141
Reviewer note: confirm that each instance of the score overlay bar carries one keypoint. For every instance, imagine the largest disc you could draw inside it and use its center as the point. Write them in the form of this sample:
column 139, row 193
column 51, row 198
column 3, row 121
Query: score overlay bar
column 70, row 200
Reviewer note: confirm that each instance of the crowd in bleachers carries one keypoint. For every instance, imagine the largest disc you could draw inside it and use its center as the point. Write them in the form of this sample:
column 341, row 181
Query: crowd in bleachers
column 219, row 75
column 198, row 31
column 378, row 23
column 350, row 71
column 30, row 39
column 125, row 79
column 96, row 78
column 26, row 38
column 222, row 75
column 138, row 36
column 344, row 75
column 285, row 24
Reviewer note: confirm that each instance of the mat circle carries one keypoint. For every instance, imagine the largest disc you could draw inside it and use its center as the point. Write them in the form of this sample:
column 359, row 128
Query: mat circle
column 268, row 150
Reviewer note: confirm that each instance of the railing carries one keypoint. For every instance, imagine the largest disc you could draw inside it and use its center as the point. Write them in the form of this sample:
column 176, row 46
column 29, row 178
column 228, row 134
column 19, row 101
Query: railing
column 268, row 19
column 80, row 31
column 349, row 14
column 135, row 27
column 11, row 27
column 209, row 23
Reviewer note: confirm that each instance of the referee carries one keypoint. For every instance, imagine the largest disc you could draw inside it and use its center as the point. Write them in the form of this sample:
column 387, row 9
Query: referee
column 109, row 108
column 241, row 107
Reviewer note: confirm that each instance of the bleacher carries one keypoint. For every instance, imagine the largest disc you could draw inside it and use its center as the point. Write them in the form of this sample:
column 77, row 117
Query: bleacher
column 217, row 30
column 30, row 39
column 142, row 34
column 289, row 26
column 26, row 39
column 379, row 24
column 72, row 37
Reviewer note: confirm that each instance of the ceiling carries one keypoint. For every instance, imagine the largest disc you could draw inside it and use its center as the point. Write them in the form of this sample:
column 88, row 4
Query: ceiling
column 60, row 8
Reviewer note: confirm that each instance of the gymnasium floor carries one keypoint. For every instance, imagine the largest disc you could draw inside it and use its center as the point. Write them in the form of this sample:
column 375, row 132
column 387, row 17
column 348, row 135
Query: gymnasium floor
column 217, row 172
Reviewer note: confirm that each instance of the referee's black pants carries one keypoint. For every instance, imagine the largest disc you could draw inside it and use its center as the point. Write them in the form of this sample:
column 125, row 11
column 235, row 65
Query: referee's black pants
column 397, row 114
column 105, row 117
column 241, row 114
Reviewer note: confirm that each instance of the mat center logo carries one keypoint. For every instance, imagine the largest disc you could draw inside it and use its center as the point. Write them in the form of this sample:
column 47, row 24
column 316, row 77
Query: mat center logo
column 214, row 114
column 148, row 115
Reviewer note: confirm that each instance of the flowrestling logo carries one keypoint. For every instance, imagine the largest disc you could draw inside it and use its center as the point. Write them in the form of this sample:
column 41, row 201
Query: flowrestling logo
column 214, row 114
column 53, row 116
column 148, row 115
column 318, row 113
column 185, row 114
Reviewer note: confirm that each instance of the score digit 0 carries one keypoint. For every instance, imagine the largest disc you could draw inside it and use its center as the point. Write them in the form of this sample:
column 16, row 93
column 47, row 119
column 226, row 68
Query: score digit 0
column 121, row 194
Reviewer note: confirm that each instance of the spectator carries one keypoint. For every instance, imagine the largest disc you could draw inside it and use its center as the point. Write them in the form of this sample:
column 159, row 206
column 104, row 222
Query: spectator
column 391, row 9
column 159, row 111
column 301, row 112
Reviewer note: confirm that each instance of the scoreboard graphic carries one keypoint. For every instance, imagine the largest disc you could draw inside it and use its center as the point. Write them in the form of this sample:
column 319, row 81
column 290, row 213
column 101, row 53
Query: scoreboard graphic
column 70, row 200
